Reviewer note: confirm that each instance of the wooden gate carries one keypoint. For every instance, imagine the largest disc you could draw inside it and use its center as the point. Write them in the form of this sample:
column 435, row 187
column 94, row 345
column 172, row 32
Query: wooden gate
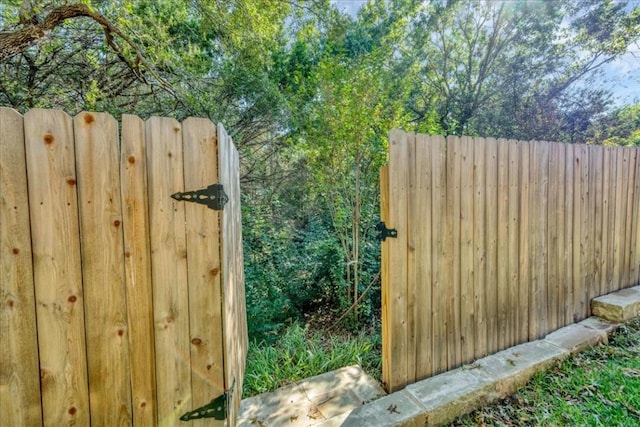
column 120, row 305
column 498, row 243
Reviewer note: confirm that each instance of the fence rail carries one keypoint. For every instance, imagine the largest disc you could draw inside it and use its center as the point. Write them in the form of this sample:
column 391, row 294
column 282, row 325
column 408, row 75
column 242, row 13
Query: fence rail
column 120, row 305
column 499, row 242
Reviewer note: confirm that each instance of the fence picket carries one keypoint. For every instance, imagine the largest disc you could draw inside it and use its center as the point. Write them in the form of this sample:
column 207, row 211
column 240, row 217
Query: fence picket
column 106, row 331
column 440, row 232
column 398, row 189
column 57, row 267
column 452, row 242
column 203, row 246
column 168, row 268
column 513, row 243
column 137, row 262
column 422, row 243
column 19, row 371
column 484, row 196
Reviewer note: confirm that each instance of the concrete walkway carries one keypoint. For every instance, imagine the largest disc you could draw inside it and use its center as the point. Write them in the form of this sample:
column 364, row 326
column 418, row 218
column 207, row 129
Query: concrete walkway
column 348, row 397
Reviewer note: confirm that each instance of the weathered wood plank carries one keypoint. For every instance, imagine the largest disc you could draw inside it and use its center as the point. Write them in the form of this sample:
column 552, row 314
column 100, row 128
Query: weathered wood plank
column 555, row 188
column 422, row 269
column 57, row 267
column 106, row 331
column 579, row 293
column 19, row 370
column 467, row 297
column 596, row 169
column 569, row 196
column 398, row 274
column 440, row 228
column 235, row 318
column 412, row 304
column 168, row 268
column 636, row 233
column 513, row 244
column 203, row 263
column 620, row 220
column 483, row 196
column 502, row 233
column 137, row 263
column 630, row 160
column 384, row 280
column 452, row 248
column 524, row 251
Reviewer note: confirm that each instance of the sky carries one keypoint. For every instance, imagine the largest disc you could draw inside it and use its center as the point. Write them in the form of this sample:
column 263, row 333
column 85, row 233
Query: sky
column 621, row 76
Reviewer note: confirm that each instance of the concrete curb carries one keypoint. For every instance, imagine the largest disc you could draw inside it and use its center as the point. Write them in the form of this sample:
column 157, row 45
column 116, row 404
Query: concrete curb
column 442, row 398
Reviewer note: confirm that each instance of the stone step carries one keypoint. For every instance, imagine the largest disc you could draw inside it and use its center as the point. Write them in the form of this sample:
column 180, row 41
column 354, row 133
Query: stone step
column 619, row 306
column 321, row 401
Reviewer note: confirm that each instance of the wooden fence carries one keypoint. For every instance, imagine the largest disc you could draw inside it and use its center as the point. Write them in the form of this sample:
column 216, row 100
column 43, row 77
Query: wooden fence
column 499, row 242
column 119, row 304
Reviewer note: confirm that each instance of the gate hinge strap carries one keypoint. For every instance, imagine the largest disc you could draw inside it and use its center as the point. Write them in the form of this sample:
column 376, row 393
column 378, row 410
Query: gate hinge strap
column 213, row 196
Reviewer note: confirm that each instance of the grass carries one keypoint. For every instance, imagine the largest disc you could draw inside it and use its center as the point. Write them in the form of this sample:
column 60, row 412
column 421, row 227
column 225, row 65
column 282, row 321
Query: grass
column 300, row 354
column 597, row 387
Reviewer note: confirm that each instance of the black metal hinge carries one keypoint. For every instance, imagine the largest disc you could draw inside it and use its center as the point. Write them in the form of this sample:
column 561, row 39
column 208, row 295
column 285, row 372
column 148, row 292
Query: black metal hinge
column 384, row 232
column 213, row 196
column 217, row 409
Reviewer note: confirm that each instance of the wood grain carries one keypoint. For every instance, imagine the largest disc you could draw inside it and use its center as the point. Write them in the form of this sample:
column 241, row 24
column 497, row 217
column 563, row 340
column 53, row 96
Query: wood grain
column 203, row 266
column 137, row 263
column 168, row 268
column 19, row 370
column 106, row 327
column 235, row 317
column 57, row 267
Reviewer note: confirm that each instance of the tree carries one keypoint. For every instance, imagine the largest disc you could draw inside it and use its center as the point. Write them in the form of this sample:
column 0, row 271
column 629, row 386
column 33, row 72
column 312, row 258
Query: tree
column 500, row 68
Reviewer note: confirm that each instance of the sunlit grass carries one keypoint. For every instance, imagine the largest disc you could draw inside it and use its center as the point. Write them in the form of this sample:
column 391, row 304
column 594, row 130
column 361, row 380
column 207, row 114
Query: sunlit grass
column 299, row 354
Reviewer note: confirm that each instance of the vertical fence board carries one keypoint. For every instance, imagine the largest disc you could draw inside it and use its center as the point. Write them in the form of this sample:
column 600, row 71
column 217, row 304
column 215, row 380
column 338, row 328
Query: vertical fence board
column 491, row 245
column 203, row 262
column 168, row 268
column 235, row 317
column 578, row 213
column 513, row 244
column 398, row 274
column 498, row 234
column 386, row 315
column 452, row 242
column 440, row 227
column 19, row 372
column 483, row 194
column 560, row 261
column 596, row 205
column 97, row 166
column 635, row 236
column 412, row 292
column 553, row 232
column 524, row 251
column 630, row 156
column 57, row 267
column 137, row 263
column 606, row 229
column 613, row 190
column 468, row 315
column 539, row 267
column 423, row 270
column 568, row 278
column 620, row 220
